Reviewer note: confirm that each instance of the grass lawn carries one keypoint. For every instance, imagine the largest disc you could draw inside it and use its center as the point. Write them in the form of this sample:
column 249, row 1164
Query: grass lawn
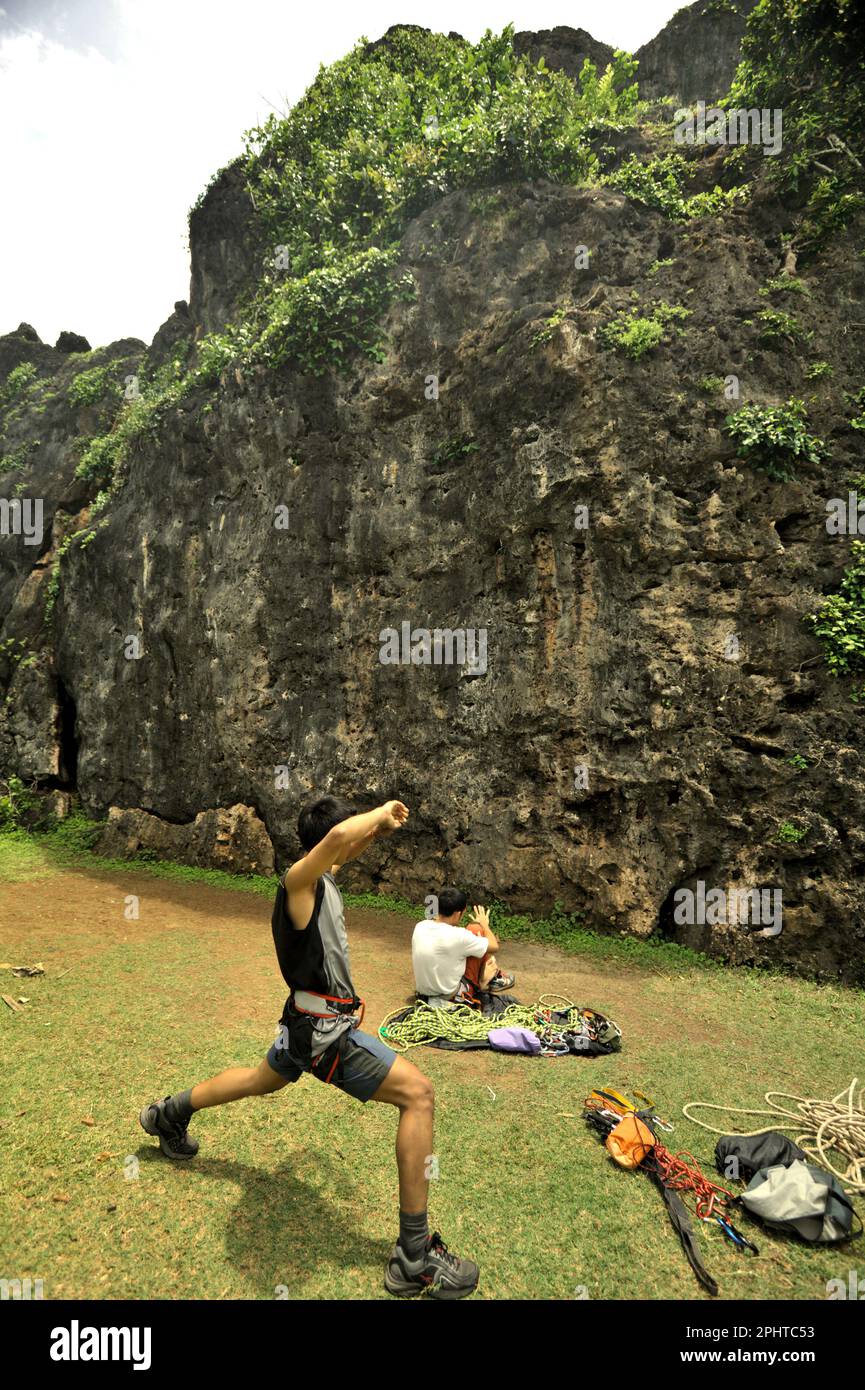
column 298, row 1190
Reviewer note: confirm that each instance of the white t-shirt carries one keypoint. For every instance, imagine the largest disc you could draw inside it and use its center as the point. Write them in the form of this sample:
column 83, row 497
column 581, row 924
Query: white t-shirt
column 438, row 955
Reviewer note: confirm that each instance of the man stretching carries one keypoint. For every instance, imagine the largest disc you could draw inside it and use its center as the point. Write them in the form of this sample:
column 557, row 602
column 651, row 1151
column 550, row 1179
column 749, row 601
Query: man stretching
column 319, row 1034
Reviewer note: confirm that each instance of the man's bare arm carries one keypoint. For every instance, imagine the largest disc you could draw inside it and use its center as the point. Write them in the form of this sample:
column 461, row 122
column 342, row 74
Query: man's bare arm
column 481, row 918
column 338, row 843
column 355, row 850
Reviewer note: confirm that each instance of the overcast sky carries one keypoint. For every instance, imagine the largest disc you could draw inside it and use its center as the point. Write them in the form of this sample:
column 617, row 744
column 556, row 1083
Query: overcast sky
column 114, row 114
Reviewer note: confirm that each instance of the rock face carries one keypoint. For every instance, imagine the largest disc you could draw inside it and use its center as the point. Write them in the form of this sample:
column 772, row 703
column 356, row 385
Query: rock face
column 694, row 56
column 39, row 454
column 564, row 49
column 228, row 251
column 72, row 342
column 646, row 675
column 232, row 839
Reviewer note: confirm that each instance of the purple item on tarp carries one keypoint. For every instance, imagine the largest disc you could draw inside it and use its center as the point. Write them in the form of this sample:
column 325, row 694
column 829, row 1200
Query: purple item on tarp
column 514, row 1040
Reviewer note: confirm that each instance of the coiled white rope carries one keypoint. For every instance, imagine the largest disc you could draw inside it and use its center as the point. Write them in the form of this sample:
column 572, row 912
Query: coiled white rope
column 837, row 1124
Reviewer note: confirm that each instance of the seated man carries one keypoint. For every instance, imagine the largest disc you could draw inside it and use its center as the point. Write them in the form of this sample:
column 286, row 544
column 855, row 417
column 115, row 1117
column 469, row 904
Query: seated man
column 453, row 963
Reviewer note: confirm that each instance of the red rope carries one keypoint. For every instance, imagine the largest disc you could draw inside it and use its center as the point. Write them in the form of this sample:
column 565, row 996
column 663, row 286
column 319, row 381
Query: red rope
column 686, row 1178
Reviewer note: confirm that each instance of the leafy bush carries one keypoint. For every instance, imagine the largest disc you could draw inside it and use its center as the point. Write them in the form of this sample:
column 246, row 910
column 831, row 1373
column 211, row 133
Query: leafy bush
column 776, row 327
column 828, row 211
column 806, row 57
column 545, row 333
column 82, row 538
column 774, row 438
column 14, row 652
column 99, row 458
column 19, row 807
column 17, row 381
column 19, row 456
column 611, row 98
column 386, row 131
column 857, row 401
column 104, row 456
column 785, row 284
column 790, row 834
column 458, row 447
column 318, row 320
column 93, row 385
column 661, row 183
column 634, row 334
column 840, row 620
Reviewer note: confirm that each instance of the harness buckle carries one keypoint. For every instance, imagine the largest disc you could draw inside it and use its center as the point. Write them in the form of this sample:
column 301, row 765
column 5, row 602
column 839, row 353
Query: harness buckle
column 325, row 1005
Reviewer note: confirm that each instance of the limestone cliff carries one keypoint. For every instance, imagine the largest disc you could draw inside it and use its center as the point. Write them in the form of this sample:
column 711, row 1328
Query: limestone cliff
column 650, row 692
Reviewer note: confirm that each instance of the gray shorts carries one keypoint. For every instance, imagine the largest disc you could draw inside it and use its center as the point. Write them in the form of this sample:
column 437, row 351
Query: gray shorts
column 365, row 1063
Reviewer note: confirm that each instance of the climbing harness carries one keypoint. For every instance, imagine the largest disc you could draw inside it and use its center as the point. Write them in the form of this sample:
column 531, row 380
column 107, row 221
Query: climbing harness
column 824, row 1125
column 559, row 1024
column 334, row 1006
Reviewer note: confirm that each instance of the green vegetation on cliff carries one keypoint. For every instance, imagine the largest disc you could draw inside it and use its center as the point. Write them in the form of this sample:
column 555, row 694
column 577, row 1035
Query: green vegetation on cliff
column 775, row 438
column 379, row 136
column 806, row 58
column 840, row 621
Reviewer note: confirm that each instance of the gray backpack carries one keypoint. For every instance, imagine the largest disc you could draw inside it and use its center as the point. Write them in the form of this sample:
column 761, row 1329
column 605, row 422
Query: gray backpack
column 803, row 1200
column 786, row 1192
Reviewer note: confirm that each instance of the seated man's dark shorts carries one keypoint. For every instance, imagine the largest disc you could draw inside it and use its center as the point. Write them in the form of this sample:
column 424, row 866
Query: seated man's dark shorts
column 365, row 1063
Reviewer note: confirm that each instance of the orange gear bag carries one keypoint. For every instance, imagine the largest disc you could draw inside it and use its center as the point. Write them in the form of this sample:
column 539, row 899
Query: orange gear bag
column 630, row 1142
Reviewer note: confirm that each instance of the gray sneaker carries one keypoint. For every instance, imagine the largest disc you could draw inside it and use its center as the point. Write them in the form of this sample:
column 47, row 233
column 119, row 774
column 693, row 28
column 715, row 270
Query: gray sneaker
column 435, row 1273
column 173, row 1138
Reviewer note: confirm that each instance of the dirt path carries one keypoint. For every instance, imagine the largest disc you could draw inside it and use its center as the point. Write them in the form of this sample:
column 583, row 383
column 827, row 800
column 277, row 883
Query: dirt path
column 76, row 914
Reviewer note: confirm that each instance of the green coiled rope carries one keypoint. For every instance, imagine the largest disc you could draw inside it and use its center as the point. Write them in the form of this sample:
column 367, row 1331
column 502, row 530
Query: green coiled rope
column 460, row 1023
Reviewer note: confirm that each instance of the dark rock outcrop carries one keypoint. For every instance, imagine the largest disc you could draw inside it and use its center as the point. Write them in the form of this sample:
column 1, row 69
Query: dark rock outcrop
column 72, row 342
column 695, row 56
column 41, row 440
column 177, row 330
column 563, row 49
column 233, row 839
column 229, row 252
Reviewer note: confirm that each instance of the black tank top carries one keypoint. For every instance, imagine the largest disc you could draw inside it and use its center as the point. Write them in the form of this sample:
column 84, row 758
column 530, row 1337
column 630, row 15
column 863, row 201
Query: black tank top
column 315, row 959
